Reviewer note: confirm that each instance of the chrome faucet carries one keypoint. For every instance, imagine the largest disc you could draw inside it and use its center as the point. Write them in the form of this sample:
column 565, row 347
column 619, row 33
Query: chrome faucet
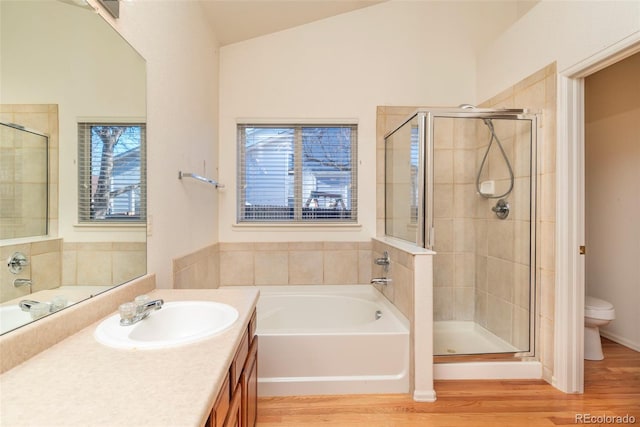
column 381, row 281
column 25, row 304
column 21, row 282
column 132, row 313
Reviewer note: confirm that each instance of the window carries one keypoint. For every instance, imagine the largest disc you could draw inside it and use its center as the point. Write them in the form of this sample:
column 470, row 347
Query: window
column 297, row 173
column 111, row 172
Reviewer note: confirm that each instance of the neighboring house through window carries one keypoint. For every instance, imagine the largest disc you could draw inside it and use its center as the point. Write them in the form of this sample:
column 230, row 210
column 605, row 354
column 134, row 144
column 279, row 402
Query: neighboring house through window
column 297, row 173
column 111, row 172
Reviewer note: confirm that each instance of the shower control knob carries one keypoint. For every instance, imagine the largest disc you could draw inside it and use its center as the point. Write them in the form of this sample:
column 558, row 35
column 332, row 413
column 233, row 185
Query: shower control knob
column 501, row 209
column 17, row 262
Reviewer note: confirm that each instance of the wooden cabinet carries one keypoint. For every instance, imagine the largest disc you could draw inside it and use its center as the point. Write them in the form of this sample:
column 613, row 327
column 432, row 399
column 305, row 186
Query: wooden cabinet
column 249, row 384
column 237, row 401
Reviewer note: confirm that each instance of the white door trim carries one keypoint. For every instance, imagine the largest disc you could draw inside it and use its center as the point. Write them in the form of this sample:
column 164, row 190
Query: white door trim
column 570, row 230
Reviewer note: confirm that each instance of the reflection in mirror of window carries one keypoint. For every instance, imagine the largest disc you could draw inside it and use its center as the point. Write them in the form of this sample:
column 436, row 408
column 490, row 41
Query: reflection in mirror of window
column 111, row 169
column 297, row 173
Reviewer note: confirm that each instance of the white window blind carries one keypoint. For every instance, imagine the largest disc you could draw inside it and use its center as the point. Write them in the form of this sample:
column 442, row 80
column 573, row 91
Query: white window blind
column 297, row 173
column 111, row 172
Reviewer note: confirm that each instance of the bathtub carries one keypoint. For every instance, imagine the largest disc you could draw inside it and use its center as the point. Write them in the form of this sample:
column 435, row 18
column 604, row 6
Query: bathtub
column 12, row 317
column 329, row 339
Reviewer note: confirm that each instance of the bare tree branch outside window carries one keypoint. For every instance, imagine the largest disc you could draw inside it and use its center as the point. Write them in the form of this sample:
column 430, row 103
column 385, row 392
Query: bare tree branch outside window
column 111, row 171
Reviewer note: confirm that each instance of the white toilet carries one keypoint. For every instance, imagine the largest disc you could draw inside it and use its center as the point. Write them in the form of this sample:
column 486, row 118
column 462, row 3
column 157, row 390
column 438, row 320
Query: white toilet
column 597, row 313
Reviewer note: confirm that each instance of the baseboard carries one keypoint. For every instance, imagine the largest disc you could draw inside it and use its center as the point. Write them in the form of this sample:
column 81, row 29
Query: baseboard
column 424, row 395
column 487, row 370
column 620, row 340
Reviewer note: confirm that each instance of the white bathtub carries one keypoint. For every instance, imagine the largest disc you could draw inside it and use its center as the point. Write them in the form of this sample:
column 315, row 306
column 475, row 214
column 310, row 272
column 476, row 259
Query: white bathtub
column 12, row 317
column 330, row 340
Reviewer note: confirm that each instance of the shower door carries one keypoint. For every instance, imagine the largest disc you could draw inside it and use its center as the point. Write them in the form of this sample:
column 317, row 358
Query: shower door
column 484, row 222
column 462, row 182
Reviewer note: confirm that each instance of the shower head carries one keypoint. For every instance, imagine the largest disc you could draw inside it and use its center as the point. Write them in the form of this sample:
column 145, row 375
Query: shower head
column 467, row 106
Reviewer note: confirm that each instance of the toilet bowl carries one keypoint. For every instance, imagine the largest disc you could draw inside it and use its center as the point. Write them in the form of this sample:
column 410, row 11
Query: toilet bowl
column 597, row 313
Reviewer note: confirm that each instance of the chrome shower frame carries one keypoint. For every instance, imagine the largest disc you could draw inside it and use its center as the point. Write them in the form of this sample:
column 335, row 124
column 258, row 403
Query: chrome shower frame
column 425, row 234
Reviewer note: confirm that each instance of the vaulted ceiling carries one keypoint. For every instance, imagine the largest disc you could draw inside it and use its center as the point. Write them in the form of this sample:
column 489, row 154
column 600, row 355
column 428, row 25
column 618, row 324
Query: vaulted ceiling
column 238, row 20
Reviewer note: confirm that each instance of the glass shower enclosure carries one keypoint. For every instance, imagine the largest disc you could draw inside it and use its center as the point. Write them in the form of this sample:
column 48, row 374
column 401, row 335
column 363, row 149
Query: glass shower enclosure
column 461, row 182
column 23, row 182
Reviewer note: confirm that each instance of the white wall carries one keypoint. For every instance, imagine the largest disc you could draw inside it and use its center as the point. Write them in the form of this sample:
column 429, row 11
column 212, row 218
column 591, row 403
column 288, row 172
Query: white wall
column 394, row 53
column 612, row 158
column 568, row 32
column 182, row 109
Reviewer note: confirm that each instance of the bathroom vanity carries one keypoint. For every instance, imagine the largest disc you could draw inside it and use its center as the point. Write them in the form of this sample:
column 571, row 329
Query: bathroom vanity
column 78, row 381
column 237, row 400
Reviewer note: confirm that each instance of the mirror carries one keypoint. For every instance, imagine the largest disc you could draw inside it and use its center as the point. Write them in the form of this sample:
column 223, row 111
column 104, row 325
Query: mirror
column 63, row 65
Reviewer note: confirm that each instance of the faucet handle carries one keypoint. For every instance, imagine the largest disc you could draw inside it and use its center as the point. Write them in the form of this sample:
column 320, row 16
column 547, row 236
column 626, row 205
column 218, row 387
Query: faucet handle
column 127, row 312
column 17, row 262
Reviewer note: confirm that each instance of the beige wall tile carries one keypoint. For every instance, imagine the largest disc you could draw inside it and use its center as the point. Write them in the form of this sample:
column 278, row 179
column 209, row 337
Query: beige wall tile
column 306, row 267
column 365, row 264
column 340, row 267
column 127, row 265
column 463, row 303
column 236, row 268
column 500, row 317
column 271, row 267
column 94, row 266
column 443, row 303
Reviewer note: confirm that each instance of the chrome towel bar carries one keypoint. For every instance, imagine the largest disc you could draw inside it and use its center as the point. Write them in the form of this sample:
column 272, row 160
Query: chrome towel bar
column 199, row 178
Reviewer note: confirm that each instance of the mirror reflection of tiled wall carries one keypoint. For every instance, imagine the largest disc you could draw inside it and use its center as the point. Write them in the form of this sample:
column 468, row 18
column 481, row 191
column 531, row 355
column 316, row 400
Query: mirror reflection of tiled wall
column 42, row 118
column 53, row 263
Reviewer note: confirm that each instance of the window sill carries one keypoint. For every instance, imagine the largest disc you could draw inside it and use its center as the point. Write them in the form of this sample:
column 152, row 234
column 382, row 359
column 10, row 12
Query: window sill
column 295, row 226
column 111, row 226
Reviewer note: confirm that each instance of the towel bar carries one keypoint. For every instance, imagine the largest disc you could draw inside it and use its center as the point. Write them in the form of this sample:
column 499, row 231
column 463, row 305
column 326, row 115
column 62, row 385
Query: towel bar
column 199, row 178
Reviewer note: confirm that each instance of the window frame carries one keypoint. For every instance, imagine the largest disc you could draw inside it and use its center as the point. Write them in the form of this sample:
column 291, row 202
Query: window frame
column 84, row 196
column 301, row 214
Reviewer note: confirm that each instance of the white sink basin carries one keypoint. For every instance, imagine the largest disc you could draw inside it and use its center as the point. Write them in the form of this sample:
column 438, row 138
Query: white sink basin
column 176, row 323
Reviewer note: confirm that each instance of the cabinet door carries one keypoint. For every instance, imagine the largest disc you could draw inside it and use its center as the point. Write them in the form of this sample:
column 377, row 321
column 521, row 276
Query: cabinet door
column 221, row 406
column 234, row 417
column 250, row 387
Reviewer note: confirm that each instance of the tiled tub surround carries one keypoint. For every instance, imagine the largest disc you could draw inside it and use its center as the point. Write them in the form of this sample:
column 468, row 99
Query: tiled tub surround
column 313, row 263
column 274, row 263
column 53, row 262
column 110, row 387
column 411, row 291
column 45, row 265
column 102, row 263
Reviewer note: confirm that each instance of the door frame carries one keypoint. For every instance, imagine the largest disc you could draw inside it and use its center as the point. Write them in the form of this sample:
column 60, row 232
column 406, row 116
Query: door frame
column 570, row 214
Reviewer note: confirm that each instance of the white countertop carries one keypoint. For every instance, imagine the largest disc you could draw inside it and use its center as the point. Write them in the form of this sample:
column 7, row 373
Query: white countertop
column 79, row 382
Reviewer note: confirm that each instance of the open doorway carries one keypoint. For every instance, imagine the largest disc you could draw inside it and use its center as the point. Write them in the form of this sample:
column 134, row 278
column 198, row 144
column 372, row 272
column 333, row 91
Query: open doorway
column 570, row 214
column 612, row 203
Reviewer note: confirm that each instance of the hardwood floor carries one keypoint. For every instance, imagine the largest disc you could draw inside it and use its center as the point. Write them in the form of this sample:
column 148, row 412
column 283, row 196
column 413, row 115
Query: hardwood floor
column 612, row 388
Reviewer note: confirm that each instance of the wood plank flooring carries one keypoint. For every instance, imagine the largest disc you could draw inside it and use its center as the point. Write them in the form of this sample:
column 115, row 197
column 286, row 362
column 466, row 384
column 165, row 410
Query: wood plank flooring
column 612, row 388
